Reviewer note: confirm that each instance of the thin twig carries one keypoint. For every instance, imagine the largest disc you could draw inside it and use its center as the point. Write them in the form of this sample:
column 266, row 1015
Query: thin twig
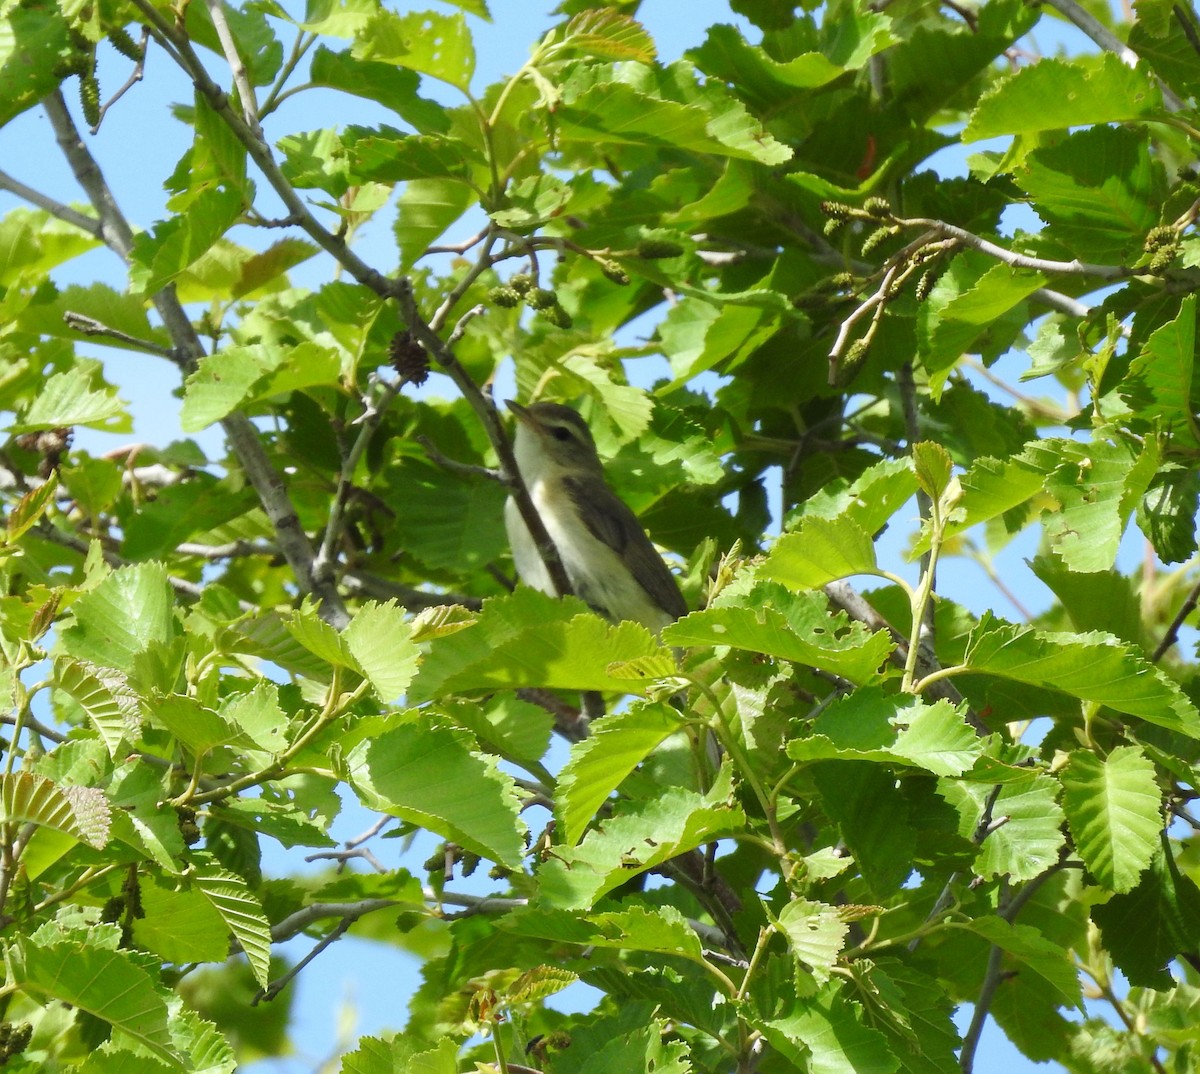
column 1172, row 634
column 89, row 326
column 139, row 69
column 241, row 79
column 65, row 213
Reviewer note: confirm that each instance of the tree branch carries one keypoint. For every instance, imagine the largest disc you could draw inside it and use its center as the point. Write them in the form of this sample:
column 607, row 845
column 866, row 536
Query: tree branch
column 242, row 435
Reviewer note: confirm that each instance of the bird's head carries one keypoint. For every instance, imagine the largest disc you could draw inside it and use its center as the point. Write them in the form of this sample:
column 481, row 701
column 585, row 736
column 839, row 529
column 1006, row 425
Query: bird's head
column 552, row 438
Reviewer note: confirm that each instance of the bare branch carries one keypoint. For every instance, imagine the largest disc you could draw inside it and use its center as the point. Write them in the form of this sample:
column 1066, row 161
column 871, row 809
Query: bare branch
column 134, row 78
column 54, row 208
column 242, row 435
column 1172, row 634
column 216, row 11
column 89, row 326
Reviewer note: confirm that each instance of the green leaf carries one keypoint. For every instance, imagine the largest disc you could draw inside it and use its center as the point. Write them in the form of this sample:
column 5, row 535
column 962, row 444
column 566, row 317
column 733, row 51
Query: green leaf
column 379, row 637
column 1096, row 189
column 180, row 925
column 961, row 313
column 80, row 812
column 661, row 107
column 832, row 1029
column 530, row 639
column 1146, row 928
column 111, row 985
column 160, row 256
column 386, row 155
column 393, row 87
column 106, row 698
column 236, row 377
column 32, row 40
column 74, row 398
column 1159, row 384
column 240, row 910
column 818, row 551
column 933, row 467
column 993, row 488
column 871, row 725
column 635, row 838
column 816, row 934
column 1028, row 841
column 515, row 729
column 30, row 508
column 194, row 725
column 791, row 626
column 1098, row 486
column 862, row 799
column 425, row 41
column 1093, row 667
column 1033, row 951
column 126, row 614
column 427, row 208
column 450, row 524
column 1114, row 808
column 870, row 500
column 427, row 772
column 1058, row 94
column 597, row 766
column 537, row 983
column 1098, row 600
column 609, row 35
column 401, row 1053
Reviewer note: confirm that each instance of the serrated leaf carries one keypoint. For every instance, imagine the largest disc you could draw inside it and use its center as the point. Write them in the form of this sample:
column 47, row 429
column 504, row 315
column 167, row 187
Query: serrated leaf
column 1029, row 839
column 618, row 743
column 425, row 41
column 818, row 551
column 641, row 105
column 180, row 925
column 30, row 508
column 426, row 209
column 1057, row 94
column 105, row 697
column 609, row 35
column 1096, row 189
column 537, row 983
column 71, row 398
column 426, row 772
column 126, row 614
column 175, row 244
column 1093, row 667
column 816, row 934
column 1159, row 384
column 933, row 467
column 241, row 911
column 1033, row 950
column 636, row 838
column 393, row 87
column 871, row 725
column 80, row 812
column 1144, row 929
column 380, row 640
column 108, row 984
column 530, row 639
column 830, row 1031
column 1114, row 808
column 236, row 377
column 796, row 627
column 871, row 499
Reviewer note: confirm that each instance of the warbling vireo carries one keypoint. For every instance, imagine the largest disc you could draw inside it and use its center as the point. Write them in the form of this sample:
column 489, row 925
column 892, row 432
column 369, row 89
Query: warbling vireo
column 608, row 558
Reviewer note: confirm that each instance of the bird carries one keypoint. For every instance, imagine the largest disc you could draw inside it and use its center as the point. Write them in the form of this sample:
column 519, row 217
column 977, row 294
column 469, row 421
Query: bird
column 609, row 560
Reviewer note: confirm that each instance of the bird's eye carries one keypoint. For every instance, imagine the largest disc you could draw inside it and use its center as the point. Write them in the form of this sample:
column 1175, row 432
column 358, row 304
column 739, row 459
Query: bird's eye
column 561, row 432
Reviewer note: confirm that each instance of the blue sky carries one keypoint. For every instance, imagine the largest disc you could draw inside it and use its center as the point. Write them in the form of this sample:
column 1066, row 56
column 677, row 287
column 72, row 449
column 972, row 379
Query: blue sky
column 354, row 987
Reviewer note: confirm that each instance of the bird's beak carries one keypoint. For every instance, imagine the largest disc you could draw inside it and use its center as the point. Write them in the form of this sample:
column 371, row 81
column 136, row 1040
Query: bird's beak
column 521, row 413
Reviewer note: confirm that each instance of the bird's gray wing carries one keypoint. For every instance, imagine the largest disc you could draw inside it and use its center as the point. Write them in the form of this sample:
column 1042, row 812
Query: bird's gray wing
column 610, row 520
